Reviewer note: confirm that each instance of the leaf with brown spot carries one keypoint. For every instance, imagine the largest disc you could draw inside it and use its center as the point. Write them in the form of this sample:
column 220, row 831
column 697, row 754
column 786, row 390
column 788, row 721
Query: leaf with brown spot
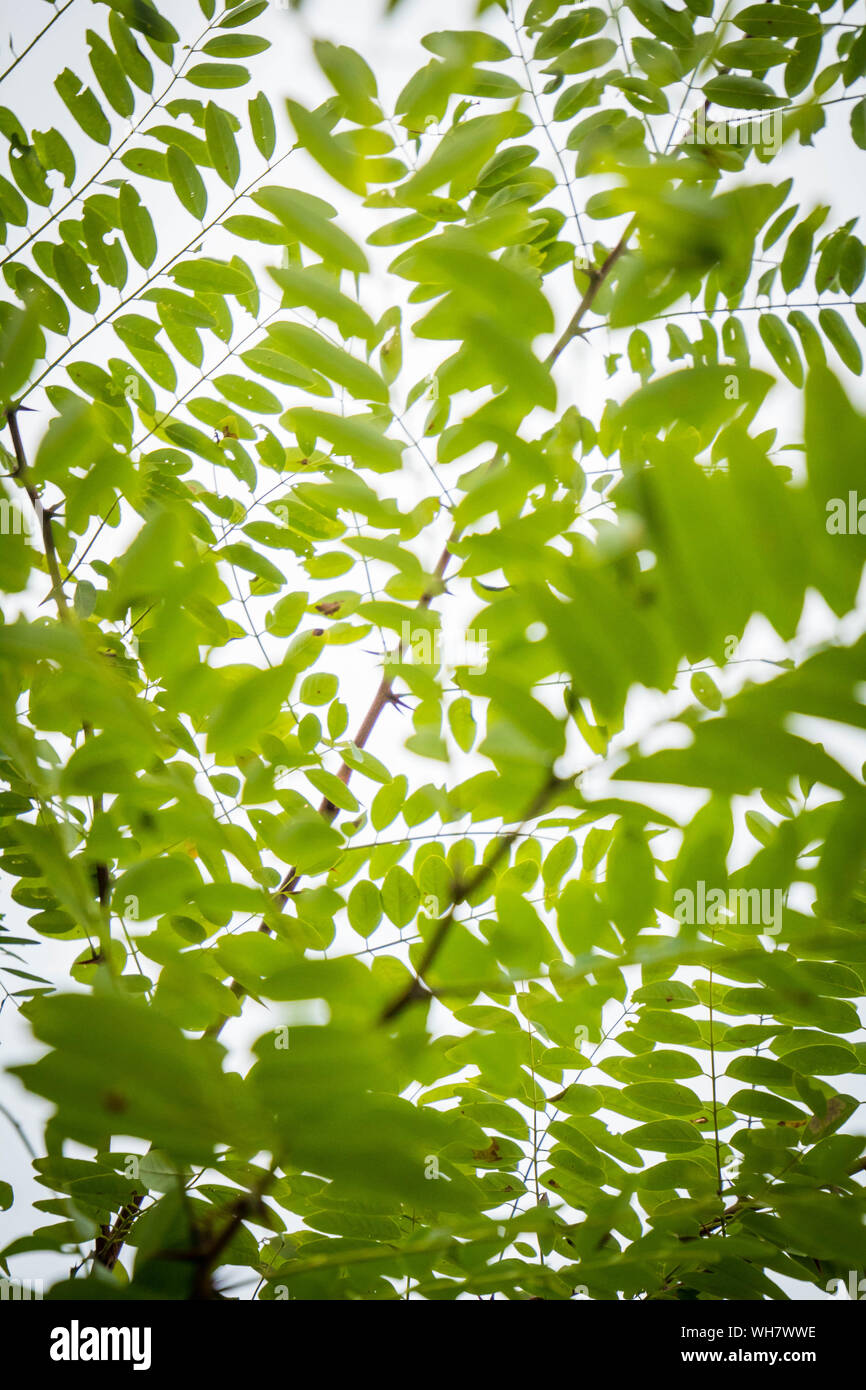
column 839, row 1108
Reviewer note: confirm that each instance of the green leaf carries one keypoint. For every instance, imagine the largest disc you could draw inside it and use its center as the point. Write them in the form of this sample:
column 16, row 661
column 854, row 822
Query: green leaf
column 249, row 709
column 352, row 79
column 674, row 1173
column 480, row 283
column 137, row 225
column 243, row 14
column 670, row 25
column 286, row 614
column 563, row 32
column 149, row 164
column 319, row 291
column 186, row 180
column 782, row 21
column 178, row 1102
column 318, row 689
column 333, row 788
column 260, row 229
column 132, row 60
column 662, row 1065
column 175, row 708
column 21, row 345
column 303, row 216
column 842, row 339
column 354, row 436
column 364, row 908
column 698, row 396
column 217, row 75
column 798, row 252
column 630, row 880
column 742, row 93
column 810, row 338
column 461, row 153
column 309, row 844
column 705, row 689
column 820, row 1061
column 154, row 886
column 83, row 107
column 462, row 723
column 781, row 346
column 664, row 1096
column 313, row 350
column 668, row 1136
column 757, row 54
column 262, row 125
column 75, row 280
column 141, row 15
column 359, row 760
column 110, row 75
column 48, row 306
column 314, row 135
column 222, row 145
column 387, row 802
column 584, row 57
column 400, row 896
column 249, row 395
column 206, row 274
column 248, row 559
column 802, row 63
column 832, row 1229
column 13, row 208
column 735, row 755
column 235, row 46
column 645, row 96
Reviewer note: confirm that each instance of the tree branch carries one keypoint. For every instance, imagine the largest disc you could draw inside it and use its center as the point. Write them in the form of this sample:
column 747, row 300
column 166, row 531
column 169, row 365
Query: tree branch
column 462, row 890
column 597, row 277
column 43, row 514
column 33, row 42
column 45, row 517
column 384, row 696
column 77, row 193
column 110, row 1243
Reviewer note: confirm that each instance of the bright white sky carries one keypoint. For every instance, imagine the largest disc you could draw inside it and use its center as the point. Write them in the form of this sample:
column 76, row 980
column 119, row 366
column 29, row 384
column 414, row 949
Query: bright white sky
column 833, row 172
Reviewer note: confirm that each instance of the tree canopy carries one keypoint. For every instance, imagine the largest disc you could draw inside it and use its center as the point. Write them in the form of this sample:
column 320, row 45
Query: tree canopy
column 431, row 543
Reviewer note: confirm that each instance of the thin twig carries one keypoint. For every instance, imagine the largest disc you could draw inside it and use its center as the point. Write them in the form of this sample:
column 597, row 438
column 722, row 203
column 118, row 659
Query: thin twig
column 462, row 890
column 34, row 42
column 384, row 696
column 597, row 278
column 22, row 473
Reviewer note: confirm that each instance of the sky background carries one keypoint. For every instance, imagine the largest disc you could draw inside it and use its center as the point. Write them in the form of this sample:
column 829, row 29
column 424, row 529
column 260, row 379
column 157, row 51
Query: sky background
column 832, row 171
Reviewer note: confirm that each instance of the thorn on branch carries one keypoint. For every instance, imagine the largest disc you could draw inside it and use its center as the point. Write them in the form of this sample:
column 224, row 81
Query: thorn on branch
column 398, row 701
